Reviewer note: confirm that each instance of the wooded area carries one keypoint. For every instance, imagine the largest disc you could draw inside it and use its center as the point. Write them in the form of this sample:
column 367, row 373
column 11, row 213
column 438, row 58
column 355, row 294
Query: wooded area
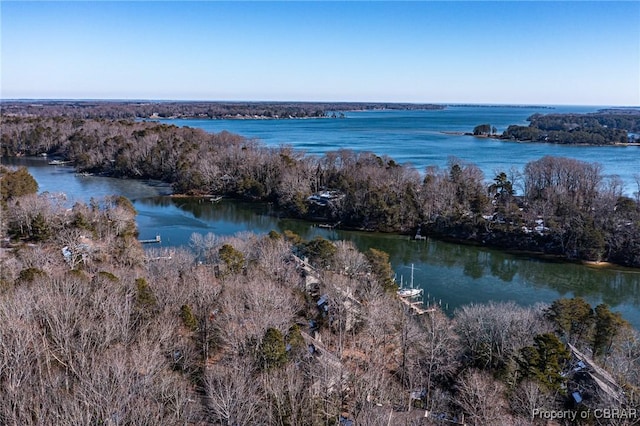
column 194, row 109
column 243, row 331
column 556, row 206
column 606, row 127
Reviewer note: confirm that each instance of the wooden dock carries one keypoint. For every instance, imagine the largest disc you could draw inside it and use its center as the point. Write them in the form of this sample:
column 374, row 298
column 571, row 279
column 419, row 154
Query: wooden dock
column 151, row 241
column 417, row 307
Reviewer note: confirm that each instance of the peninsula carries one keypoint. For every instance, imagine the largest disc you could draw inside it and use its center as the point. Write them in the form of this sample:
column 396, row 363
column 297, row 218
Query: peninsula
column 605, row 127
column 566, row 210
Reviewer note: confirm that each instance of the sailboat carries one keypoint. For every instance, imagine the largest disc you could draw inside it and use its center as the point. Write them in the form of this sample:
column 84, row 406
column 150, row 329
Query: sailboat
column 409, row 292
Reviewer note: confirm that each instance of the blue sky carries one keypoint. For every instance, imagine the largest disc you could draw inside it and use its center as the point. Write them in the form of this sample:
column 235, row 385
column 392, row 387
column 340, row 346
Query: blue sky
column 544, row 52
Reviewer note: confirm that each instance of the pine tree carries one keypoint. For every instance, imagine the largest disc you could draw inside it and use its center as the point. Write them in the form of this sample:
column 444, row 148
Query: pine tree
column 273, row 351
column 607, row 327
column 188, row 319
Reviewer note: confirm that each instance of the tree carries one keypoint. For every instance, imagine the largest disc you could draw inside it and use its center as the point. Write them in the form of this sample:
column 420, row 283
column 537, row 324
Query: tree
column 528, row 396
column 381, row 268
column 204, row 245
column 438, row 353
column 502, row 186
column 231, row 394
column 40, row 230
column 146, row 302
column 492, row 334
column 273, row 351
column 573, row 318
column 482, row 399
column 29, row 275
column 482, row 129
column 545, row 360
column 607, row 326
column 288, row 396
column 348, row 259
column 188, row 319
column 233, row 258
column 16, row 184
column 295, row 342
column 320, row 251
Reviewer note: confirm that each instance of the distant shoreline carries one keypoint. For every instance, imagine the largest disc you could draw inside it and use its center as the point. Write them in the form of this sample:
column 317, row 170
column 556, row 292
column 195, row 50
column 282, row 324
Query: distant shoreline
column 498, row 138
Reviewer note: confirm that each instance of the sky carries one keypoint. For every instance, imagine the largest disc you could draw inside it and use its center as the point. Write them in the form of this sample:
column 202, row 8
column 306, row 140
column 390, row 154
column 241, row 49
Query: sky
column 503, row 52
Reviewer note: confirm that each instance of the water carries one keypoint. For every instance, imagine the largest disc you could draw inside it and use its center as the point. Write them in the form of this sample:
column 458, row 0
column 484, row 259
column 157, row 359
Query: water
column 449, row 273
column 417, row 138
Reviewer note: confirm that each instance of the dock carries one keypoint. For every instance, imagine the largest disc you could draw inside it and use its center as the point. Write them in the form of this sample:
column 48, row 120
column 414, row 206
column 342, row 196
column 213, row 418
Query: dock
column 151, row 241
column 416, row 307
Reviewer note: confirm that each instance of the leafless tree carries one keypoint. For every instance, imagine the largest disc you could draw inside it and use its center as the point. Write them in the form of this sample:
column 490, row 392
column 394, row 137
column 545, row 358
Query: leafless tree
column 439, row 353
column 527, row 397
column 204, row 245
column 231, row 397
column 288, row 396
column 482, row 399
column 624, row 359
column 348, row 260
column 493, row 332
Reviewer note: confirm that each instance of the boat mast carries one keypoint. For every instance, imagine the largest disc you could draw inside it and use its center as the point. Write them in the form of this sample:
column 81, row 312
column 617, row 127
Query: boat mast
column 412, row 275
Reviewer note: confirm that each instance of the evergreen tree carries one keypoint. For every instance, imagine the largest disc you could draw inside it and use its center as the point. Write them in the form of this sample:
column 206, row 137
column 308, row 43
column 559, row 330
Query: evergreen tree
column 381, row 268
column 320, row 251
column 146, row 304
column 607, row 327
column 188, row 318
column 482, row 129
column 40, row 229
column 295, row 342
column 273, row 351
column 233, row 258
column 573, row 318
column 545, row 360
column 16, row 183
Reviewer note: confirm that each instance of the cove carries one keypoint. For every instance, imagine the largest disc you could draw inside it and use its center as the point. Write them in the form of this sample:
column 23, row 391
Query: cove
column 450, row 274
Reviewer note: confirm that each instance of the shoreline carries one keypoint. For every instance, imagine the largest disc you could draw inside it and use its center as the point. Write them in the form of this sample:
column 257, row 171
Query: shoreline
column 438, row 236
column 541, row 256
column 498, row 138
column 546, row 257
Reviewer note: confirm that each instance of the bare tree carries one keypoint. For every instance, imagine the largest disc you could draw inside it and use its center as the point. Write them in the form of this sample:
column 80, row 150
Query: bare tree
column 527, row 397
column 348, row 260
column 288, row 396
column 231, row 397
column 482, row 399
column 439, row 355
column 493, row 332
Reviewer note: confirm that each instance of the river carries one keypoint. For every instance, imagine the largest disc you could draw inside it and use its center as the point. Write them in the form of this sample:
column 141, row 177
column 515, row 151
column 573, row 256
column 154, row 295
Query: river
column 450, row 274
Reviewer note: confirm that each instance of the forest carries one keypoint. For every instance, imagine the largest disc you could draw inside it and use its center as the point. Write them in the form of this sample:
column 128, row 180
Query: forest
column 194, row 109
column 554, row 206
column 606, row 127
column 273, row 330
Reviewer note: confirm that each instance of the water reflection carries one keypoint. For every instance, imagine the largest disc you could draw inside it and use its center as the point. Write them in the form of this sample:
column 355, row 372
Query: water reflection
column 177, row 218
column 452, row 273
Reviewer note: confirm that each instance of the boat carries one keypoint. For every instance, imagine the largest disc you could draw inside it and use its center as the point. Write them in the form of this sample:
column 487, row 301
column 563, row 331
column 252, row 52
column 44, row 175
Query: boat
column 409, row 292
column 58, row 162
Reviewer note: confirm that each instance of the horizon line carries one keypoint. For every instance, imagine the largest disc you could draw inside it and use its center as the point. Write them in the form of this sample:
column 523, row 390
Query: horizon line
column 308, row 102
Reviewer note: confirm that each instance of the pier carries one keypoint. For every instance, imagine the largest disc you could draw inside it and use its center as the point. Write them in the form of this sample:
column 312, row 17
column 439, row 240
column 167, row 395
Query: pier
column 151, row 241
column 417, row 307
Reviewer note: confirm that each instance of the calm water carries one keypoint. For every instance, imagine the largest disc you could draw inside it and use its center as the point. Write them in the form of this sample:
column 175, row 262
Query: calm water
column 451, row 274
column 416, row 137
